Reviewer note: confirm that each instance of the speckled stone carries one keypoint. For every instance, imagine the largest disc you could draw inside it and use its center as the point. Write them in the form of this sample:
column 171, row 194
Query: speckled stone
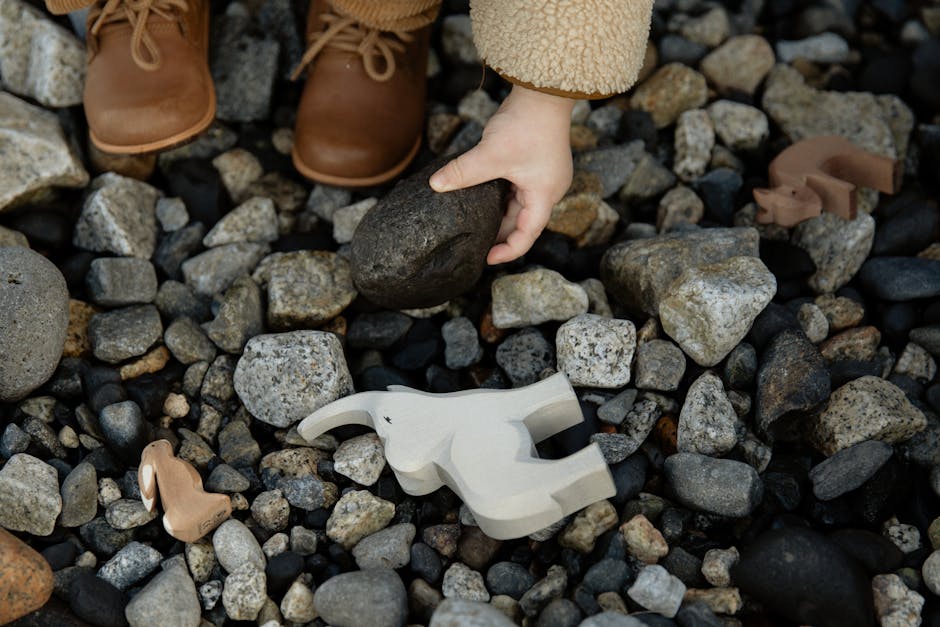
column 118, row 217
column 244, row 593
column 674, row 88
column 462, row 582
column 707, row 421
column 710, row 308
column 371, row 597
column 588, row 525
column 719, row 486
column 361, row 459
column 29, row 495
column 596, row 351
column 694, row 140
column 660, row 365
column 896, row 605
column 644, row 541
column 867, row 408
column 533, row 297
column 356, row 515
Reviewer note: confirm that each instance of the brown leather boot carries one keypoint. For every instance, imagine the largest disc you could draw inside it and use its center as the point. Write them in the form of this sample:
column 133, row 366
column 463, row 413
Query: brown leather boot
column 148, row 86
column 361, row 114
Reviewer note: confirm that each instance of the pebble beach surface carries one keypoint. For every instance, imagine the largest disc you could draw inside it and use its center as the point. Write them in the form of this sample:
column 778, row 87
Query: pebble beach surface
column 766, row 398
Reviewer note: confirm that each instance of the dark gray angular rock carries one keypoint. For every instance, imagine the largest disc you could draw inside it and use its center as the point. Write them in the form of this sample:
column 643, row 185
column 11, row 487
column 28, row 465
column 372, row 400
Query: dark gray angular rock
column 900, row 278
column 928, row 338
column 14, row 441
column 379, row 330
column 308, row 492
column 419, row 248
column 187, row 342
column 226, row 479
column 118, row 281
column 365, row 597
column 640, row 272
column 806, row 578
column 612, row 165
column 177, row 247
column 509, row 578
column 524, row 355
column 124, row 333
column 793, row 380
column 848, row 469
column 718, row 486
column 243, row 69
column 176, row 300
column 236, row 445
column 131, row 564
column 213, row 271
column 239, row 318
column 34, row 315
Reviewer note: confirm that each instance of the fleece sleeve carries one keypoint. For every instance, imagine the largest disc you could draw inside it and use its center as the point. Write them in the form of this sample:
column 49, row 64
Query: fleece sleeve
column 576, row 48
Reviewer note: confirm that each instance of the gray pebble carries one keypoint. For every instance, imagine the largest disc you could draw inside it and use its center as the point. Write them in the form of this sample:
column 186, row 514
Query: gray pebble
column 118, row 281
column 79, row 496
column 271, row 510
column 369, row 597
column 216, row 269
column 615, row 447
column 118, row 217
column 660, row 365
column 34, row 316
column 707, row 423
column 524, row 355
column 187, row 342
column 240, row 316
column 388, row 548
column 29, row 495
column 718, row 486
column 169, row 600
column 235, row 545
column 255, row 220
column 131, row 564
column 615, row 410
column 462, row 582
column 227, row 480
column 461, row 343
column 128, row 513
column 245, row 592
column 284, row 377
column 14, row 441
column 124, row 333
column 657, row 590
column 463, row 613
column 178, row 300
column 848, row 469
column 171, row 214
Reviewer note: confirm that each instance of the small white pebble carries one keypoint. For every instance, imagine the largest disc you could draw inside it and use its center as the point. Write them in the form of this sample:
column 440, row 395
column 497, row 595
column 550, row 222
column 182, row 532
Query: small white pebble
column 108, row 491
column 68, row 437
column 176, row 405
column 87, row 560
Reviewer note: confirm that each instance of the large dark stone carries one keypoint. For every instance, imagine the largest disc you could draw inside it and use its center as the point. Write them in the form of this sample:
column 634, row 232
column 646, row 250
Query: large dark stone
column 806, row 578
column 793, row 379
column 875, row 552
column 419, row 248
column 900, row 278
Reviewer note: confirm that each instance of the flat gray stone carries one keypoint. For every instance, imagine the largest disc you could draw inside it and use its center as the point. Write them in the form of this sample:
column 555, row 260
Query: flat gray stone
column 29, row 495
column 33, row 139
column 718, row 486
column 79, row 496
column 255, row 220
column 169, row 600
column 533, row 297
column 282, row 378
column 119, row 217
column 463, row 613
column 389, row 548
column 707, row 421
column 131, row 564
column 235, row 545
column 461, row 343
column 124, row 333
column 848, row 469
column 34, row 316
column 368, row 597
column 118, row 281
column 216, row 269
column 660, row 365
column 240, row 316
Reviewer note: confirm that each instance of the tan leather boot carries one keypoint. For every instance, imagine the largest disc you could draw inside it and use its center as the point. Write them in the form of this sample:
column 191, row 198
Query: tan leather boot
column 361, row 114
column 148, row 86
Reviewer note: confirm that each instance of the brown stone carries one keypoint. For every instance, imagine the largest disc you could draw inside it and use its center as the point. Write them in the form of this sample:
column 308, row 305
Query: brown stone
column 859, row 344
column 573, row 215
column 666, row 431
column 489, row 333
column 336, row 326
column 154, row 361
column 582, row 138
column 77, row 343
column 584, row 182
column 442, row 538
column 476, row 549
column 138, row 167
column 25, row 578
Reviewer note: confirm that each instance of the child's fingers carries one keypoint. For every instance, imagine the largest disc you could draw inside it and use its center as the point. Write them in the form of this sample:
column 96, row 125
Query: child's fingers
column 471, row 168
column 508, row 224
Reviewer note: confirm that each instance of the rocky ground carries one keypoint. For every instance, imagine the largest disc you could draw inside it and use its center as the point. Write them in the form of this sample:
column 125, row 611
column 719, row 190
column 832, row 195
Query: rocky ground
column 767, row 398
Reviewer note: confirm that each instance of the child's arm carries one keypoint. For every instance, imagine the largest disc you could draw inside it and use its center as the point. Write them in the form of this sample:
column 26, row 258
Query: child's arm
column 527, row 143
column 553, row 51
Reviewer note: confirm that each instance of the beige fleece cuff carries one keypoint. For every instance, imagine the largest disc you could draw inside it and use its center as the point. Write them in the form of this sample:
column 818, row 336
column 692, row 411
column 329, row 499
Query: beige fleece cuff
column 565, row 47
column 390, row 15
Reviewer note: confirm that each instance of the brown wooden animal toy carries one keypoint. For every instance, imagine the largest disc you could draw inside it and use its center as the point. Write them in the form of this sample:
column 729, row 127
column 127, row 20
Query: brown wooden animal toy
column 821, row 174
column 189, row 512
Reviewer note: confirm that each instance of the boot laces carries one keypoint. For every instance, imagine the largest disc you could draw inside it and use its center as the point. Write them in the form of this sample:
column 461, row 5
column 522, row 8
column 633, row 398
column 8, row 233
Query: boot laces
column 144, row 50
column 372, row 44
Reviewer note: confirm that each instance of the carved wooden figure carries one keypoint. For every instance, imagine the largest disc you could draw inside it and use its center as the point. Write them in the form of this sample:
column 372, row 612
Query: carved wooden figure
column 189, row 512
column 821, row 174
column 481, row 443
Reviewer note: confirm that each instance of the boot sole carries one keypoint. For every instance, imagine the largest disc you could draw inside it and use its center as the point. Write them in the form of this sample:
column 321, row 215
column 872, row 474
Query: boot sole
column 341, row 181
column 173, row 141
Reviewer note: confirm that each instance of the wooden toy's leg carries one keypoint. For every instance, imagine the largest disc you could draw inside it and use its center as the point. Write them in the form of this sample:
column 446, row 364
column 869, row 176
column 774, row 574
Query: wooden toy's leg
column 549, row 406
column 866, row 169
column 837, row 196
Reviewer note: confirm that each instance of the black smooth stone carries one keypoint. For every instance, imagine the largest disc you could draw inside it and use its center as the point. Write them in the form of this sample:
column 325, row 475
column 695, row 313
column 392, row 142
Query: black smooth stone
column 149, row 391
column 318, row 239
column 177, row 247
column 897, row 319
column 911, row 388
column 104, row 461
column 718, row 189
column 380, row 330
column 908, row 230
column 47, row 229
column 198, row 183
column 576, row 437
column 629, row 478
column 75, row 269
column 804, row 576
column 54, row 613
column 420, row 248
column 653, row 620
column 610, row 545
column 785, row 488
column 932, row 396
column 417, row 355
column 607, row 575
column 786, row 260
column 125, row 430
column 881, row 495
column 551, row 250
column 378, row 378
column 638, row 124
column 425, row 562
column 895, row 10
column 841, row 372
column 900, row 278
column 886, row 74
column 676, row 49
column 95, row 600
column 684, row 565
column 60, row 555
column 875, row 552
column 585, row 600
column 441, row 380
column 281, row 571
column 66, row 381
column 771, row 321
column 697, row 615
column 507, row 578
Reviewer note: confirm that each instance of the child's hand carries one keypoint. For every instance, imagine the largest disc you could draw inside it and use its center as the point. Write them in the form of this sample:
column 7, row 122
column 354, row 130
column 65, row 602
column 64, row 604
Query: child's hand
column 527, row 143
